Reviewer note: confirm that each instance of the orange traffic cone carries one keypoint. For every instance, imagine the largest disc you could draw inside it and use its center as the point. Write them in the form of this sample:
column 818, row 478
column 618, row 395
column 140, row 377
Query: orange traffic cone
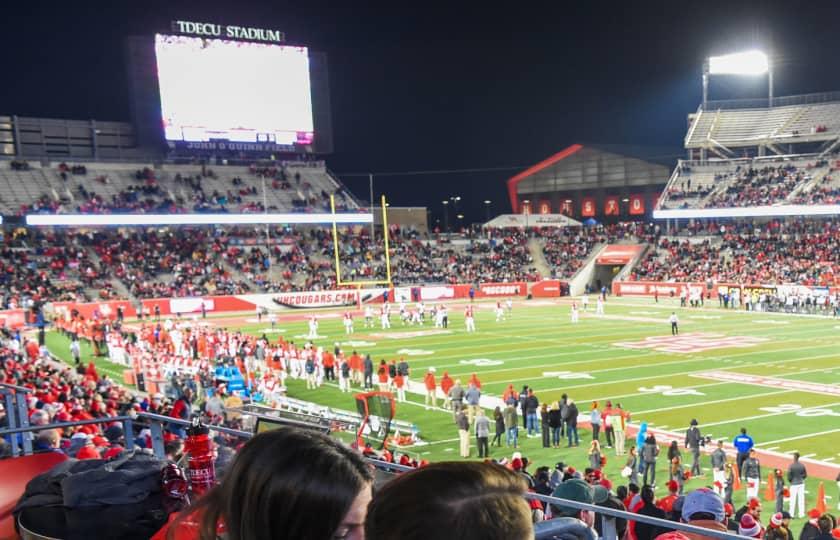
column 770, row 492
column 821, row 506
column 736, row 484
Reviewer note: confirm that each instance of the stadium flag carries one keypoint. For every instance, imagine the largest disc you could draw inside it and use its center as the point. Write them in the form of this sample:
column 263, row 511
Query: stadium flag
column 637, row 205
column 566, row 208
column 611, row 206
column 770, row 492
column 821, row 506
column 587, row 208
column 545, row 207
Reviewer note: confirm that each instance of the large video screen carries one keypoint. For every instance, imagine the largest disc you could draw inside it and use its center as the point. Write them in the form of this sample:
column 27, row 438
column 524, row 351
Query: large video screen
column 213, row 89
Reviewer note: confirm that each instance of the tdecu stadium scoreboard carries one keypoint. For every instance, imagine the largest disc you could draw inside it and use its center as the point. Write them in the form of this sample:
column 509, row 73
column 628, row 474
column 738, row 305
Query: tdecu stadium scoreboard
column 204, row 87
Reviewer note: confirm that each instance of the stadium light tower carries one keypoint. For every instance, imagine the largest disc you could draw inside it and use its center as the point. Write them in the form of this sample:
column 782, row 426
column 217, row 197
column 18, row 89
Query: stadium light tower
column 747, row 63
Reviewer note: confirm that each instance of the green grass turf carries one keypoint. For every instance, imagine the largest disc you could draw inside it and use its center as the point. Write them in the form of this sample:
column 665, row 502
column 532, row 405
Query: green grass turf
column 661, row 388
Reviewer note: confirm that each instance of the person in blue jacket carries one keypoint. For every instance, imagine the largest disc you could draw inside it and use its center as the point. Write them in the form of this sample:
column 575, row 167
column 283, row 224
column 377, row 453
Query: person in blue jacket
column 640, row 441
column 743, row 443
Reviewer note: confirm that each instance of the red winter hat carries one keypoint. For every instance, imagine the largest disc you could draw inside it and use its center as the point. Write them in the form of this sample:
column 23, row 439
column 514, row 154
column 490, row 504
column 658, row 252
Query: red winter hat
column 813, row 513
column 749, row 527
column 88, row 452
column 516, row 464
column 776, row 519
column 728, row 509
column 754, row 503
column 673, row 487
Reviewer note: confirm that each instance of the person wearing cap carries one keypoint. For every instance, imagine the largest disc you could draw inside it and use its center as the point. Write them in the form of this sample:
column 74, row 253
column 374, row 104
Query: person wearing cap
column 777, row 529
column 608, row 526
column 666, row 503
column 811, row 528
column 796, row 475
column 703, row 508
column 753, row 508
column 779, row 489
column 693, row 441
column 749, row 527
column 116, row 442
column 575, row 490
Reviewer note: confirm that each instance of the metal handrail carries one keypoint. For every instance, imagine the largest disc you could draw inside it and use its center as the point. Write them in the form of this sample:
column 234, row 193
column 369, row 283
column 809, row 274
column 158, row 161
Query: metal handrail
column 16, row 388
column 544, row 530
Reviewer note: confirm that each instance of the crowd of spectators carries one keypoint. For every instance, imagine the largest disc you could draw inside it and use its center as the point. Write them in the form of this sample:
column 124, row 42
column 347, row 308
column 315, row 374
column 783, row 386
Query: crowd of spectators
column 44, row 266
column 803, row 252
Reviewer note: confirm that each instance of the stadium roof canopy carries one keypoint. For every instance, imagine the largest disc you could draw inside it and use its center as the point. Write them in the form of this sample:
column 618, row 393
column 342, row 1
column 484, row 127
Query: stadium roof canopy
column 586, row 167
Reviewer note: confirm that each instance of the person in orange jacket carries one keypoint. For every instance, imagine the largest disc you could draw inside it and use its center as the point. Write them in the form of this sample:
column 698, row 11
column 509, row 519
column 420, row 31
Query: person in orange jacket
column 474, row 381
column 431, row 388
column 446, row 384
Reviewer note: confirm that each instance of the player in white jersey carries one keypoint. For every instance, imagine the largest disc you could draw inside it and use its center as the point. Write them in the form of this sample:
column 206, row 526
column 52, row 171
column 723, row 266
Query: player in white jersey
column 313, row 328
column 384, row 317
column 599, row 305
column 500, row 312
column 272, row 318
column 421, row 310
column 368, row 317
column 584, row 302
column 509, row 305
column 348, row 323
column 469, row 319
column 415, row 317
column 404, row 315
column 575, row 313
column 438, row 317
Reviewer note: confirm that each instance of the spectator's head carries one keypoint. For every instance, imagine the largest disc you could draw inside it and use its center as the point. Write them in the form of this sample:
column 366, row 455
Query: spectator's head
column 647, row 495
column 754, row 507
column 826, row 523
column 703, row 505
column 750, row 527
column 796, row 456
column 577, row 490
column 743, row 431
column 39, row 418
column 48, row 438
column 289, row 483
column 468, row 500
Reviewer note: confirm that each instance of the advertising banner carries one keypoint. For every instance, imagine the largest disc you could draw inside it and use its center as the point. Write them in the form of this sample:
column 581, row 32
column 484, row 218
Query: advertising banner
column 502, row 289
column 618, row 254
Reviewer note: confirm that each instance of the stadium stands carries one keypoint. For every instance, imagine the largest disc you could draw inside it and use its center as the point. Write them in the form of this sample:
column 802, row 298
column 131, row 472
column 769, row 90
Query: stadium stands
column 99, row 187
column 803, row 252
column 722, row 129
column 756, row 182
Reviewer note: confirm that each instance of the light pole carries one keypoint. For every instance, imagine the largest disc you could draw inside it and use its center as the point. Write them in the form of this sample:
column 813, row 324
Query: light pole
column 487, row 204
column 445, row 203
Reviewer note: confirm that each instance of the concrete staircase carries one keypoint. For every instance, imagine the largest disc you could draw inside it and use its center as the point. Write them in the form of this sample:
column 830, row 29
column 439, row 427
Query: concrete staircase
column 535, row 248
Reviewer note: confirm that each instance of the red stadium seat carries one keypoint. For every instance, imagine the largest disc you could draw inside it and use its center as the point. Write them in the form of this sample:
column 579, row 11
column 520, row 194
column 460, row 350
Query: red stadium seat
column 16, row 473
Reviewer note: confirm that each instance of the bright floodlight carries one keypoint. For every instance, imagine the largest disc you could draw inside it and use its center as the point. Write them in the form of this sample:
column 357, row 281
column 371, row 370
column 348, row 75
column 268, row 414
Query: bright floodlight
column 744, row 63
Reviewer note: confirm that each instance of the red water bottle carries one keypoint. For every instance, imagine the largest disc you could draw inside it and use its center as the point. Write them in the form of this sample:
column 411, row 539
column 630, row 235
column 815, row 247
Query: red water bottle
column 199, row 450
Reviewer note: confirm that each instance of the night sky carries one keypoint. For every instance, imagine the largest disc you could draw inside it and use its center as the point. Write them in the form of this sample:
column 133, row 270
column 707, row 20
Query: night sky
column 441, row 87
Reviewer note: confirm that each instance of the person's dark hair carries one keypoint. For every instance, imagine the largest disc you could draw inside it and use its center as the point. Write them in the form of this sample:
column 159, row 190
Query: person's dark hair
column 469, row 501
column 287, row 482
column 621, row 492
column 647, row 494
column 826, row 523
column 708, row 516
column 743, row 431
column 633, row 488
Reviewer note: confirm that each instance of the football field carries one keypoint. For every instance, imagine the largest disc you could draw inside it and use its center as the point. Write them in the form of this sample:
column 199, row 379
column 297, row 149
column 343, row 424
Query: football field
column 777, row 375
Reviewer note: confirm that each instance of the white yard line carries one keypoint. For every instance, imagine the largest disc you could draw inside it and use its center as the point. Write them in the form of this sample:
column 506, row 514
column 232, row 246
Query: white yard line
column 826, row 432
